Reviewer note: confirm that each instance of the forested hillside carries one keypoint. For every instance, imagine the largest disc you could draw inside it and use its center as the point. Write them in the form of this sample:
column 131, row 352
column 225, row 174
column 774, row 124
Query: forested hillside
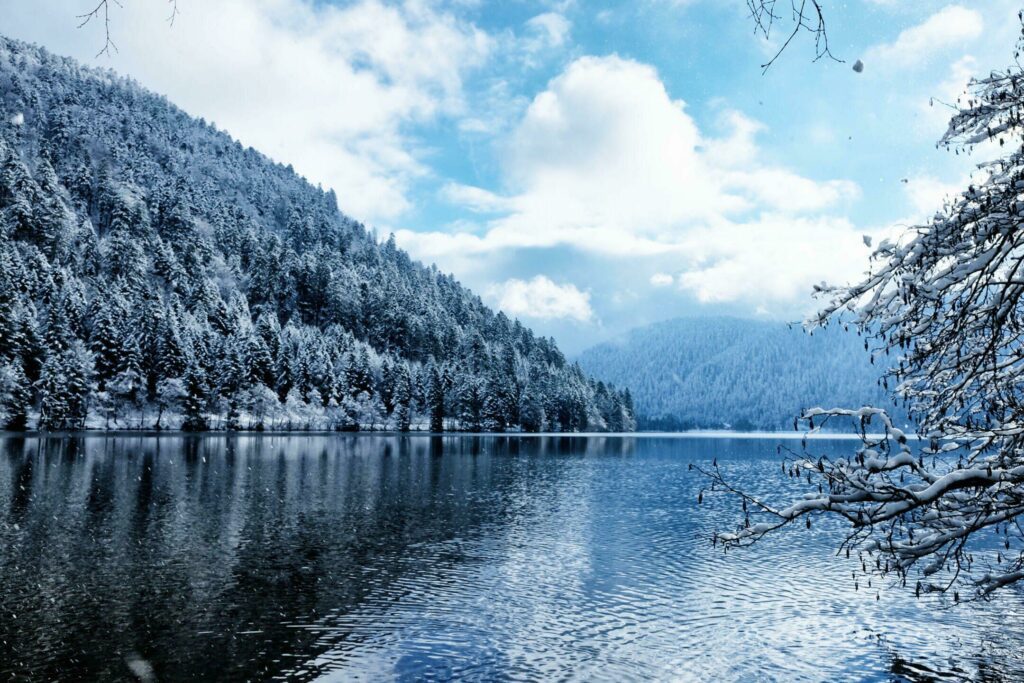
column 732, row 373
column 154, row 272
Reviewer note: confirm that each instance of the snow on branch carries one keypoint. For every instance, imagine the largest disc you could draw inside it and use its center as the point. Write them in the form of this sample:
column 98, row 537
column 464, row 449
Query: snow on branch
column 942, row 308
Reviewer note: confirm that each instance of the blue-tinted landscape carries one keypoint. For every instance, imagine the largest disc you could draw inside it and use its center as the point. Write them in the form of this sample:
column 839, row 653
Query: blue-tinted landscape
column 537, row 340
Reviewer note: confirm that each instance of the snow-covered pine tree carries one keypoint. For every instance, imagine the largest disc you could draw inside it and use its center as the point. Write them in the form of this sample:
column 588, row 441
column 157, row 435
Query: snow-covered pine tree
column 196, row 399
column 15, row 396
column 64, row 387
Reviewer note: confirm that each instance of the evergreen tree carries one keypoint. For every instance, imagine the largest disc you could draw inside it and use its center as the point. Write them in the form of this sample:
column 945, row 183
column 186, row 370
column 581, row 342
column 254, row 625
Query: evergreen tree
column 402, row 397
column 195, row 401
column 435, row 400
column 470, row 396
column 64, row 386
column 109, row 339
column 388, row 385
column 172, row 356
column 50, row 215
column 358, row 373
column 532, row 412
column 15, row 397
column 17, row 192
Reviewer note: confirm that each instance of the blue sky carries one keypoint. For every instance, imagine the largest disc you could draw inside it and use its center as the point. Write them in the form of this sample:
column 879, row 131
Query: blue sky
column 586, row 166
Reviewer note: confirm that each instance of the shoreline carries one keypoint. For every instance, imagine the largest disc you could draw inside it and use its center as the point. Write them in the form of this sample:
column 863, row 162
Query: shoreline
column 694, row 434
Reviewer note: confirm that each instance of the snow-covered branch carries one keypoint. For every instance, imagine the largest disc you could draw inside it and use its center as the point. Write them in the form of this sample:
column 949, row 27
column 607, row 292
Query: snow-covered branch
column 942, row 307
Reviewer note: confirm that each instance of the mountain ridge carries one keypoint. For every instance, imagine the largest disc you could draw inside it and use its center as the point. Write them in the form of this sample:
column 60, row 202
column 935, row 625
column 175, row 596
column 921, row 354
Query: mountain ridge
column 718, row 372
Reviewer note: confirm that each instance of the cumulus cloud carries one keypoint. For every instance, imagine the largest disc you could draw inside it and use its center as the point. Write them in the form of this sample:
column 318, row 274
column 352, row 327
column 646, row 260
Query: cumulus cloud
column 605, row 161
column 661, row 280
column 540, row 297
column 949, row 27
column 329, row 89
column 775, row 258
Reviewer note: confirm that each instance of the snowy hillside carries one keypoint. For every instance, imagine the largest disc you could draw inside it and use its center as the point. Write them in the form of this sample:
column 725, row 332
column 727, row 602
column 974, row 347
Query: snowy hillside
column 728, row 372
column 153, row 270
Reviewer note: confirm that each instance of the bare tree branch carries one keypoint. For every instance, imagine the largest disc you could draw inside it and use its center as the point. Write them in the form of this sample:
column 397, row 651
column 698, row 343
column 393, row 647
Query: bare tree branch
column 103, row 7
column 102, row 10
column 804, row 15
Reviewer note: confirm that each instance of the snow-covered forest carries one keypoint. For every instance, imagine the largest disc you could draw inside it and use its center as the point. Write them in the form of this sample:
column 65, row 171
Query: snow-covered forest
column 720, row 372
column 156, row 273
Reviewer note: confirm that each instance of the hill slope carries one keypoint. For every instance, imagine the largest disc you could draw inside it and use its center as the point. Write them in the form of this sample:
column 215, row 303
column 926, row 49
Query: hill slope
column 729, row 372
column 153, row 270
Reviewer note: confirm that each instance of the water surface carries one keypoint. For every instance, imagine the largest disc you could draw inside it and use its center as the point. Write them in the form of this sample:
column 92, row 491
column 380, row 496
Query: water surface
column 380, row 557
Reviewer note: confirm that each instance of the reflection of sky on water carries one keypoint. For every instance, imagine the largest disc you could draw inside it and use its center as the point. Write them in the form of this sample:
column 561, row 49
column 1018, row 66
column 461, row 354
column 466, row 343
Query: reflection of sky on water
column 333, row 556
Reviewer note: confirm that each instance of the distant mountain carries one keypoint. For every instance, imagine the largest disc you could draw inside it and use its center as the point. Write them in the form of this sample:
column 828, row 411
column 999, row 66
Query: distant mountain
column 722, row 372
column 153, row 271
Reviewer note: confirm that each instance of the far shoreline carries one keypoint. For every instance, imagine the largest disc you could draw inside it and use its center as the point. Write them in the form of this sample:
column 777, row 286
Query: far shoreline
column 692, row 434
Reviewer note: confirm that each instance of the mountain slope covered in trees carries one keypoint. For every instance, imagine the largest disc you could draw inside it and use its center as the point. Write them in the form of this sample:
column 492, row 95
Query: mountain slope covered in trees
column 153, row 271
column 721, row 372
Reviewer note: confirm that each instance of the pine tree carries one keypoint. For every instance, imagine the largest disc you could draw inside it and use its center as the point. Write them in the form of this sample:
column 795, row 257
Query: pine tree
column 470, row 393
column 171, row 355
column 108, row 339
column 531, row 410
column 358, row 373
column 63, row 320
column 30, row 345
column 195, row 402
column 500, row 402
column 17, row 192
column 387, row 385
column 435, row 400
column 122, row 251
column 165, row 264
column 15, row 397
column 64, row 387
column 50, row 218
column 53, row 404
column 10, row 330
column 402, row 397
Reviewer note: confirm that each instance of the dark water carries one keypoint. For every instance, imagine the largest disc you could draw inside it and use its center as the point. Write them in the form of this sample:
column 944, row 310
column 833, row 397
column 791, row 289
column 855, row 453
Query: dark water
column 374, row 558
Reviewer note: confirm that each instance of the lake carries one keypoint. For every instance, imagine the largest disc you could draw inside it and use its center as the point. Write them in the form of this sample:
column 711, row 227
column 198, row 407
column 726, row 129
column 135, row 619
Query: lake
column 365, row 557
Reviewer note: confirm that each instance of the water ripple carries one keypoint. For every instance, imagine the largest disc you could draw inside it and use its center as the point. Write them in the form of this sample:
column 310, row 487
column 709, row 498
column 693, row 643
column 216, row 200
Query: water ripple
column 369, row 558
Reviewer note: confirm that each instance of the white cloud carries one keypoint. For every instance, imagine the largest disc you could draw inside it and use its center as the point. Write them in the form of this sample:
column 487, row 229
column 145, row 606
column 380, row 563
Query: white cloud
column 548, row 30
column 605, row 161
column 927, row 194
column 774, row 259
column 474, row 198
column 781, row 190
column 328, row 89
column 540, row 297
column 949, row 27
column 661, row 280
